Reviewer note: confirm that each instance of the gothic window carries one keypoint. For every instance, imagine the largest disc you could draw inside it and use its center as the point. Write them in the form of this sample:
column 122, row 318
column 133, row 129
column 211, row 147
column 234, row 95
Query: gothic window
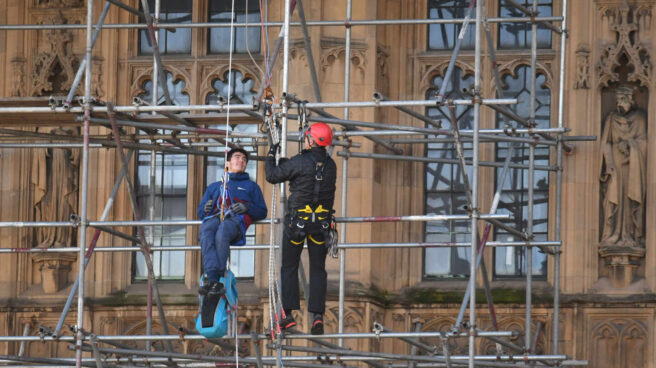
column 518, row 35
column 176, row 41
column 170, row 192
column 445, row 189
column 170, row 204
column 242, row 89
column 243, row 39
column 510, row 261
column 443, row 36
column 176, row 91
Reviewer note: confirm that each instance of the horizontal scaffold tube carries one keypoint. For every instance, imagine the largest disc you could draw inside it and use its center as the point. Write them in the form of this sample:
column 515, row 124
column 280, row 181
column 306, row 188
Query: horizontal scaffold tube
column 316, row 23
column 267, row 221
column 383, row 156
column 244, row 107
column 353, row 335
column 266, row 246
column 419, row 358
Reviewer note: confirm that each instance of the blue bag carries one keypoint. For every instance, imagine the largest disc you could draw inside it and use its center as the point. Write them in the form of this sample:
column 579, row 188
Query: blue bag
column 226, row 309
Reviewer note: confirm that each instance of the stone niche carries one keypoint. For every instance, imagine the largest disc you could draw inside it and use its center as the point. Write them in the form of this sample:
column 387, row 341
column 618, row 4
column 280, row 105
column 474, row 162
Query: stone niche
column 624, row 73
column 54, row 270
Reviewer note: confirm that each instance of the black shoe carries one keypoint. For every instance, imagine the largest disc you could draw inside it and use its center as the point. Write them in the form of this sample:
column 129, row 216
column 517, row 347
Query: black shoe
column 317, row 325
column 212, row 288
column 287, row 322
column 208, row 309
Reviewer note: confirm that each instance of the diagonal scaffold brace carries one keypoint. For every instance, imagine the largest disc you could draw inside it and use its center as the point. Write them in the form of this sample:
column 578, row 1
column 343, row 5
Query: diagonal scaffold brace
column 145, row 247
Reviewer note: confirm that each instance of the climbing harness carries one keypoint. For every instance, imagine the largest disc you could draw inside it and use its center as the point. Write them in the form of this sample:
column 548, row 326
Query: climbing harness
column 313, row 219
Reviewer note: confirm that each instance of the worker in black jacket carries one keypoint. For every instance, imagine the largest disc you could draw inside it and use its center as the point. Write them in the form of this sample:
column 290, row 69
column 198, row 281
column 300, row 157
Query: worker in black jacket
column 311, row 174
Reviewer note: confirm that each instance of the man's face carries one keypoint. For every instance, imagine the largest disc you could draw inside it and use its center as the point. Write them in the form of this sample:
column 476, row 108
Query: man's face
column 308, row 141
column 624, row 103
column 237, row 163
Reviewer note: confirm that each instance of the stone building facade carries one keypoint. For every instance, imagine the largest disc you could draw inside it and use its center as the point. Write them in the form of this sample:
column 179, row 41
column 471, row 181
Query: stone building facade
column 608, row 284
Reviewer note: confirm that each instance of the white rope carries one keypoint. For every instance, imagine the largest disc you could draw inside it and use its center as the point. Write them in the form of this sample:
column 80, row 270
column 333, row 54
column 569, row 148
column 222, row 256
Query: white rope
column 248, row 48
column 235, row 312
column 227, row 128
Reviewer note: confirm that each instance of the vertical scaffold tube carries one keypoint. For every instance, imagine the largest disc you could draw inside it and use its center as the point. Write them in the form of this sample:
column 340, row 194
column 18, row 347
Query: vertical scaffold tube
column 85, row 185
column 342, row 239
column 531, row 174
column 474, row 186
column 559, row 181
column 151, row 197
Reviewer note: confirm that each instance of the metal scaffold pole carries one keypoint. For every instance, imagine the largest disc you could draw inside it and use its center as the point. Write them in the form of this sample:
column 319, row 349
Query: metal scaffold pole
column 559, row 183
column 85, row 185
column 474, row 187
column 345, row 160
column 158, row 127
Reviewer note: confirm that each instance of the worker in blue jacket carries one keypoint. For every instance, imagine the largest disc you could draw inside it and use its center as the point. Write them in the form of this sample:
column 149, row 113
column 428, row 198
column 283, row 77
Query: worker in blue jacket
column 244, row 204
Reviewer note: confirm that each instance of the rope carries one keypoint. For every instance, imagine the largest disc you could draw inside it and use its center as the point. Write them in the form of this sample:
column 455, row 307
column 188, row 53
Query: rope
column 227, row 128
column 225, row 171
column 275, row 303
column 235, row 325
column 246, row 32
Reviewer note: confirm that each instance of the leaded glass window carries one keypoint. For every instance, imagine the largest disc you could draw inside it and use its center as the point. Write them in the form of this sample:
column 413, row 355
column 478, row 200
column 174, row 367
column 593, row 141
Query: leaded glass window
column 445, row 189
column 176, row 41
column 243, row 39
column 518, row 35
column 510, row 261
column 170, row 204
column 175, row 87
column 241, row 88
column 443, row 36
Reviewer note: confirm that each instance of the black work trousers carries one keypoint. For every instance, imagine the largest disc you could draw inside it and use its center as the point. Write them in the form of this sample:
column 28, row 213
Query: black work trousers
column 292, row 247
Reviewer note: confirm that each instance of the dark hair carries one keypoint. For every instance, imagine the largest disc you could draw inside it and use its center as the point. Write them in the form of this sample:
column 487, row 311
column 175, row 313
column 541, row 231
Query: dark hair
column 235, row 150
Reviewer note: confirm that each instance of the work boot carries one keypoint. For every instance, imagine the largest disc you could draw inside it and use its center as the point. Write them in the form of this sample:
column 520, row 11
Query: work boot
column 317, row 325
column 287, row 322
column 212, row 289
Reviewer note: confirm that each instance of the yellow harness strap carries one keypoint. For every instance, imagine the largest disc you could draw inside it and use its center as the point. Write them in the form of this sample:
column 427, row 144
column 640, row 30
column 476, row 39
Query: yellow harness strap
column 314, row 241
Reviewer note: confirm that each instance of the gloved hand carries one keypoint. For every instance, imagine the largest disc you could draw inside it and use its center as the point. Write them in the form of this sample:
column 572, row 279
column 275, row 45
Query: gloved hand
column 273, row 149
column 238, row 208
column 208, row 206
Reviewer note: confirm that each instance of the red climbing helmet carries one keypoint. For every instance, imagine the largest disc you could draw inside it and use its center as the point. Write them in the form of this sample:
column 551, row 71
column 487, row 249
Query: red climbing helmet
column 321, row 133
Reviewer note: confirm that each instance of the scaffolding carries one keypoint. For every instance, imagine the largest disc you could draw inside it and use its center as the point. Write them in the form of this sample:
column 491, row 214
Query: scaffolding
column 524, row 133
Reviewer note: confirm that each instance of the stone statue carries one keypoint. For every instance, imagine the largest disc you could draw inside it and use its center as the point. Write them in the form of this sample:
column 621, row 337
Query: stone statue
column 55, row 183
column 624, row 173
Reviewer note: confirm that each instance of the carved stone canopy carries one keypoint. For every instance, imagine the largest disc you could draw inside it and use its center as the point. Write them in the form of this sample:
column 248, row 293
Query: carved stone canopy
column 53, row 69
column 630, row 25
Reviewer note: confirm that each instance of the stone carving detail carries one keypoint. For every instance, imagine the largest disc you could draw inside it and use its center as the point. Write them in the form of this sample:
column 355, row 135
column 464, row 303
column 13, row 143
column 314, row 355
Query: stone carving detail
column 631, row 24
column 59, row 3
column 623, row 177
column 55, row 185
column 624, row 173
column 210, row 73
column 582, row 67
column 619, row 343
column 430, row 71
column 18, row 77
column 53, row 70
column 97, row 89
column 142, row 73
column 382, row 70
column 516, row 325
column 333, row 54
column 445, row 324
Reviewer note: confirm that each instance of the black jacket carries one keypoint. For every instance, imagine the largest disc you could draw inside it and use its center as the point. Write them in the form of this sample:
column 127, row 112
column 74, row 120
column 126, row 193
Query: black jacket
column 300, row 170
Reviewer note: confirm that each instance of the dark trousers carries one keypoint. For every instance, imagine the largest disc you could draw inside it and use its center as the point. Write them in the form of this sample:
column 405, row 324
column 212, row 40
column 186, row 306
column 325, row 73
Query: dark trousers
column 292, row 247
column 215, row 240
